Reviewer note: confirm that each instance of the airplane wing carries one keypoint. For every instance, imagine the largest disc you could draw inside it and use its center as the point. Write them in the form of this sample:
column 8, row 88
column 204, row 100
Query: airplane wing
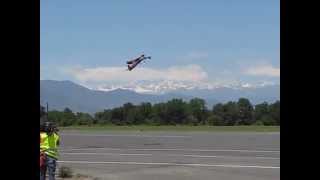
column 133, row 63
column 134, row 60
column 130, row 62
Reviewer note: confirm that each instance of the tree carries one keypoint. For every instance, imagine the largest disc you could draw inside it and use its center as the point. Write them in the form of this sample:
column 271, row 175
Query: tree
column 176, row 111
column 69, row 117
column 141, row 114
column 117, row 116
column 67, row 110
column 197, row 108
column 128, row 113
column 103, row 117
column 231, row 113
column 159, row 114
column 275, row 112
column 84, row 119
column 228, row 112
column 56, row 117
column 245, row 112
column 219, row 110
column 261, row 110
column 145, row 109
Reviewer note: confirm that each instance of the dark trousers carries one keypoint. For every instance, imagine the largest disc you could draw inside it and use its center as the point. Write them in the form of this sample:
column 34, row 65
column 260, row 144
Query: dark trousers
column 50, row 166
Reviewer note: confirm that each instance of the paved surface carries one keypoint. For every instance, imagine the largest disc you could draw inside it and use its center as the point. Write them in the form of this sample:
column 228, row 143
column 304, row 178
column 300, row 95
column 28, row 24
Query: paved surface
column 192, row 155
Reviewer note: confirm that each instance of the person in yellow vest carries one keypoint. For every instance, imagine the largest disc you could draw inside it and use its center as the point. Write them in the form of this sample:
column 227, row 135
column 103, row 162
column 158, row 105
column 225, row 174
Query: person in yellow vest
column 49, row 142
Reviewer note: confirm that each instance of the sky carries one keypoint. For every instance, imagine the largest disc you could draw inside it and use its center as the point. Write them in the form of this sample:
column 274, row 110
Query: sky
column 214, row 41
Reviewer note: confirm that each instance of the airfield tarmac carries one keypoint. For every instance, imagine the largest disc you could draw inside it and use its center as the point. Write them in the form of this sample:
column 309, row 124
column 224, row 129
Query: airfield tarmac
column 172, row 155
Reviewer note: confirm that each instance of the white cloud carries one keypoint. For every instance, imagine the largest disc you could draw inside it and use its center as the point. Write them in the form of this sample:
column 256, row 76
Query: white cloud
column 263, row 70
column 104, row 74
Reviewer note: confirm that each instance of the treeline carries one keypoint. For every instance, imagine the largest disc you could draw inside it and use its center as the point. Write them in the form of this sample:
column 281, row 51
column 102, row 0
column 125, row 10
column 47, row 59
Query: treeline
column 175, row 112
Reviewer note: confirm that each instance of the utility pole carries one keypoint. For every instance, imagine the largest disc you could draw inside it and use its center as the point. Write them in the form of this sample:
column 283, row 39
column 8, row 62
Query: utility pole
column 47, row 111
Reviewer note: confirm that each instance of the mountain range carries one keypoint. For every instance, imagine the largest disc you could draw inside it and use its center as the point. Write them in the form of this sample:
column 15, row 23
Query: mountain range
column 62, row 94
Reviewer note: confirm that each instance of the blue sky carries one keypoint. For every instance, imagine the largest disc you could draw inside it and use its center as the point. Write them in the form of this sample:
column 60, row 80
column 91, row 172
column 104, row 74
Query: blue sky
column 215, row 40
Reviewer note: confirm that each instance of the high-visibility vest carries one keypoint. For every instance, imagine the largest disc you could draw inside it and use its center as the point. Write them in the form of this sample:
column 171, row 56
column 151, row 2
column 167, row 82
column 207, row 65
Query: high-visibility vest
column 49, row 144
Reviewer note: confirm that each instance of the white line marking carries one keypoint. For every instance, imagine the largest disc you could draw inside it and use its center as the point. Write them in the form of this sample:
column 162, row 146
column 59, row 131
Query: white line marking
column 117, row 154
column 243, row 157
column 171, row 164
column 183, row 155
column 197, row 150
column 125, row 135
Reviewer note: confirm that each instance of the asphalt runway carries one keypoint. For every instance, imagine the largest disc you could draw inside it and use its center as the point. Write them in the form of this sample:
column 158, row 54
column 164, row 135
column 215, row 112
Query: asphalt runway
column 172, row 155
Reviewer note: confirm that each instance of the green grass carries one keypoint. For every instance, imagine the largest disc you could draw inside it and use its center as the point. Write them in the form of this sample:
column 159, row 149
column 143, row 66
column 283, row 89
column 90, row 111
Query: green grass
column 183, row 128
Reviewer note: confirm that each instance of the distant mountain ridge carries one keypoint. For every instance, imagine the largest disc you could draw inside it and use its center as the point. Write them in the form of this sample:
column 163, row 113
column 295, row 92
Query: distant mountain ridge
column 62, row 94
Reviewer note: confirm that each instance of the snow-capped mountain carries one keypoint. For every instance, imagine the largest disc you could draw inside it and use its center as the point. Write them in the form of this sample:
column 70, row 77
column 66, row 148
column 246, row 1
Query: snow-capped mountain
column 166, row 86
column 61, row 94
column 257, row 93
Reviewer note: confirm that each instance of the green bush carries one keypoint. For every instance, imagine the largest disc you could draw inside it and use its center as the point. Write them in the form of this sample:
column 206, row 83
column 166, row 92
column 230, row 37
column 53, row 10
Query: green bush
column 268, row 121
column 258, row 123
column 191, row 120
column 215, row 120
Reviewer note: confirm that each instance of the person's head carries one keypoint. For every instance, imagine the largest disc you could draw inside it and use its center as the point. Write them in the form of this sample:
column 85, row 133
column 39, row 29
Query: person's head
column 48, row 127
